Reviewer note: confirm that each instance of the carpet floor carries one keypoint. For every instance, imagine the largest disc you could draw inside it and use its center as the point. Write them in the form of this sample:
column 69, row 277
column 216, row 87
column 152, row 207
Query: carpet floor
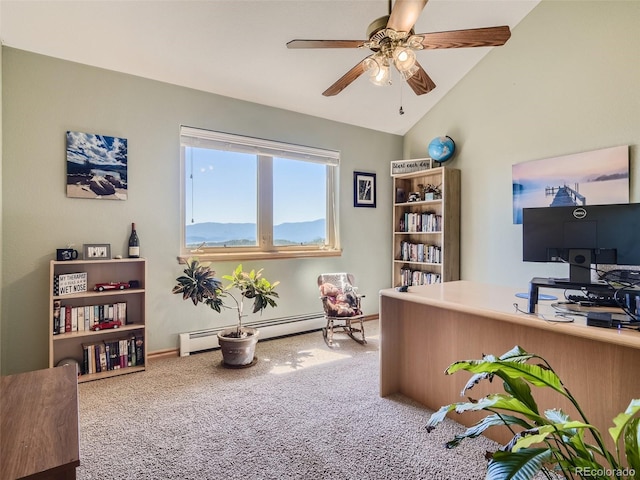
column 304, row 411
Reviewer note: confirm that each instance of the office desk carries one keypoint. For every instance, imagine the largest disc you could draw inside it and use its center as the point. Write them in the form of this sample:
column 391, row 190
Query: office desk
column 39, row 425
column 426, row 329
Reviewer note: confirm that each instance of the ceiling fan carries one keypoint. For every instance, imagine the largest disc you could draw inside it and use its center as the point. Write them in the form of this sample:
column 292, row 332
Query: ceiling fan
column 393, row 41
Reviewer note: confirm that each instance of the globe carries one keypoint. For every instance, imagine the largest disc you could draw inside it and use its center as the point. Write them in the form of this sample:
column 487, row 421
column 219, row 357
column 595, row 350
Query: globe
column 441, row 149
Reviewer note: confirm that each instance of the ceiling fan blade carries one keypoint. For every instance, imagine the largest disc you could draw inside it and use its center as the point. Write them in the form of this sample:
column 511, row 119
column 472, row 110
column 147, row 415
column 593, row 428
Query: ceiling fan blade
column 344, row 81
column 420, row 82
column 474, row 37
column 404, row 14
column 325, row 43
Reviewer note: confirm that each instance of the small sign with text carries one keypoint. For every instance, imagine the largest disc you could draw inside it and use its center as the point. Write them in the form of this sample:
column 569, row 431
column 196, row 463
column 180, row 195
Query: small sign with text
column 67, row 284
column 399, row 167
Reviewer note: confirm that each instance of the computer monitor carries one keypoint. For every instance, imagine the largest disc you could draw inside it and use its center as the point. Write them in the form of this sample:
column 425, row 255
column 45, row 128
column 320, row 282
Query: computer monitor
column 582, row 236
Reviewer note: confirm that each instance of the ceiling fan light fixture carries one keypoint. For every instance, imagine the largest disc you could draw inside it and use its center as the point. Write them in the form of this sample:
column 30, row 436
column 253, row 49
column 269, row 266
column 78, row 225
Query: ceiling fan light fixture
column 404, row 59
column 378, row 68
column 408, row 73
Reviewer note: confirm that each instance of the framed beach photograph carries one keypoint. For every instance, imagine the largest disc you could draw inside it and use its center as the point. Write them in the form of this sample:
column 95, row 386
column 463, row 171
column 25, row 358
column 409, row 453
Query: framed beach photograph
column 598, row 177
column 96, row 166
column 364, row 189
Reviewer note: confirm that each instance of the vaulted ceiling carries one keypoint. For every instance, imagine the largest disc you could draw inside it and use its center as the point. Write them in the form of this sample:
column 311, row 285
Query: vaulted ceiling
column 237, row 48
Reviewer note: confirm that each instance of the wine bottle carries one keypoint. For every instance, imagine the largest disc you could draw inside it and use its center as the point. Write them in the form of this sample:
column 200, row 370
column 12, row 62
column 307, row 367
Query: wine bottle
column 134, row 243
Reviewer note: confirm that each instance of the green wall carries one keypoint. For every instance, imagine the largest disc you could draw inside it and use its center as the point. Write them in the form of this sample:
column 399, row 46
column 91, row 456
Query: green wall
column 44, row 97
column 567, row 81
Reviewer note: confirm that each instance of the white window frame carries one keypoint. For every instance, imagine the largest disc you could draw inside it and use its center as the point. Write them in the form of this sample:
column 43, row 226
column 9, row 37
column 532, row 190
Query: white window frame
column 265, row 150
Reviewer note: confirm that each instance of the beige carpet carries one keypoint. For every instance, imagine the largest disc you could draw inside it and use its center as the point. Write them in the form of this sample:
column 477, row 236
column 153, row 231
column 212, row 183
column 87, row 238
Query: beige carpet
column 304, row 411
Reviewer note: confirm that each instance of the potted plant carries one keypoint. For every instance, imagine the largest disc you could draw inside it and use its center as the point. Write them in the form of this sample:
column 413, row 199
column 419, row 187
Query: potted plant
column 199, row 284
column 548, row 442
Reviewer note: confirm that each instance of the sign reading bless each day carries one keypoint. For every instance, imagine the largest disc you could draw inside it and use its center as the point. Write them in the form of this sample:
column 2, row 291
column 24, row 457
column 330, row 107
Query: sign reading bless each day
column 70, row 283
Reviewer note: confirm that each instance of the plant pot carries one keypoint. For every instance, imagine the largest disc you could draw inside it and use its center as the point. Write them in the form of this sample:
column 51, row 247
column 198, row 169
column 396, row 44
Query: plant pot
column 238, row 352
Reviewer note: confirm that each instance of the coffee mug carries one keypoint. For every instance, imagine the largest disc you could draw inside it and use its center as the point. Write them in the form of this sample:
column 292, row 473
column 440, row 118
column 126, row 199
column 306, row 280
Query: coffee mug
column 66, row 254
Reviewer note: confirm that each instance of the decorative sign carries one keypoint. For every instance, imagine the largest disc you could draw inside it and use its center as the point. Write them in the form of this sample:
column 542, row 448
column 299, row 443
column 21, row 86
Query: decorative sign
column 409, row 166
column 70, row 283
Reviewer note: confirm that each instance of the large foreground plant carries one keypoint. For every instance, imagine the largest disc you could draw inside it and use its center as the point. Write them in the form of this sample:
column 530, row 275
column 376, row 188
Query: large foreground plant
column 548, row 442
column 200, row 285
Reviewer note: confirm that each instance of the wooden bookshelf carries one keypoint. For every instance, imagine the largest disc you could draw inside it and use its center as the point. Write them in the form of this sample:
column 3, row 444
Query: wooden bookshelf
column 426, row 232
column 70, row 344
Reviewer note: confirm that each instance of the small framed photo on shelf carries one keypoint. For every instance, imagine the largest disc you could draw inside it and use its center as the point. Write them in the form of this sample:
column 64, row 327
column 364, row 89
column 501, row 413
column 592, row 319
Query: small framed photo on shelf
column 97, row 251
column 364, row 189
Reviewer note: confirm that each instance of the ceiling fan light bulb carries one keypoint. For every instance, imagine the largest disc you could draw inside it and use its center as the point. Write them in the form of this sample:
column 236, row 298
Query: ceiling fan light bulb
column 378, row 70
column 403, row 56
column 381, row 77
column 404, row 59
column 371, row 65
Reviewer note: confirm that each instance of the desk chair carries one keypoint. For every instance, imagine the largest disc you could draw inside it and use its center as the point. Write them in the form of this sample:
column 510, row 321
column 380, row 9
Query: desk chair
column 341, row 303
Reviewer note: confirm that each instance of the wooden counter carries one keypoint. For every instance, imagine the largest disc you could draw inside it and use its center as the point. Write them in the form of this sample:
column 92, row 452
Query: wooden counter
column 428, row 328
column 39, row 424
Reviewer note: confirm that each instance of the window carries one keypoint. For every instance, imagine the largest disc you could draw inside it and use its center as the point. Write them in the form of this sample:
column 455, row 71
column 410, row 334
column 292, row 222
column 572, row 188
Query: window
column 247, row 197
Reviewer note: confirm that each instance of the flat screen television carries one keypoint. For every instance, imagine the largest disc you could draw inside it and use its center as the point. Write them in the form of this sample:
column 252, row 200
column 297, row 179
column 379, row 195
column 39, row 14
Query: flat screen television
column 582, row 236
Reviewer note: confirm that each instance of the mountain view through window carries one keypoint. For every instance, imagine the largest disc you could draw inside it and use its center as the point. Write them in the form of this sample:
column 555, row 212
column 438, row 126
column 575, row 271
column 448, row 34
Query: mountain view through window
column 227, row 194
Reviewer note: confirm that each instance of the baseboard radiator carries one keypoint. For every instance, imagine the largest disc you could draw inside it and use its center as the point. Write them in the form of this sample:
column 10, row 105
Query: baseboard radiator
column 191, row 342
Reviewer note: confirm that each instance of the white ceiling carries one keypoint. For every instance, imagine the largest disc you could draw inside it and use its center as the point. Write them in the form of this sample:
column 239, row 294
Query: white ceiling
column 236, row 48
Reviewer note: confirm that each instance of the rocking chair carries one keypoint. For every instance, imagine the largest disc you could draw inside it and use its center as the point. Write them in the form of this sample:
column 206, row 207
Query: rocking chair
column 341, row 303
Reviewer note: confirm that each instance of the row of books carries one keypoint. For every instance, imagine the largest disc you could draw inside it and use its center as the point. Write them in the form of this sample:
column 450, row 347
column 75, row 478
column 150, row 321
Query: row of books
column 417, row 277
column 419, row 252
column 420, row 222
column 112, row 354
column 68, row 318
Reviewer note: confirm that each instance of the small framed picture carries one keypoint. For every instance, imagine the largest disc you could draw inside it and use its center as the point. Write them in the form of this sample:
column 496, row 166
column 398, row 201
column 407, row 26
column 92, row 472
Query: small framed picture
column 364, row 189
column 97, row 251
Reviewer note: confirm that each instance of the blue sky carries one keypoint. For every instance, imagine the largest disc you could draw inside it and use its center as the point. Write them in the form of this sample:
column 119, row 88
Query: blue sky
column 224, row 188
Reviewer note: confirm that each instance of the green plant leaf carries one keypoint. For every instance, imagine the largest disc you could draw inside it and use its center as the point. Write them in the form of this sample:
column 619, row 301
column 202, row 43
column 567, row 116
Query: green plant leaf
column 540, row 434
column 501, row 402
column 631, row 443
column 522, row 465
column 623, row 418
column 519, row 389
column 534, row 374
column 516, row 354
column 493, row 420
column 555, row 415
column 438, row 416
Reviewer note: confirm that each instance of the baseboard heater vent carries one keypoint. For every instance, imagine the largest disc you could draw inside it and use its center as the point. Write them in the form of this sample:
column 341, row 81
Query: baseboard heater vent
column 191, row 342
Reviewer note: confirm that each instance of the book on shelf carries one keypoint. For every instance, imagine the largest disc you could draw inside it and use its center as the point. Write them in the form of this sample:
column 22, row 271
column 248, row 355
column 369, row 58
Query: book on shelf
column 139, row 341
column 69, row 318
column 419, row 252
column 113, row 354
column 412, row 222
column 417, row 277
column 74, row 319
column 56, row 317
